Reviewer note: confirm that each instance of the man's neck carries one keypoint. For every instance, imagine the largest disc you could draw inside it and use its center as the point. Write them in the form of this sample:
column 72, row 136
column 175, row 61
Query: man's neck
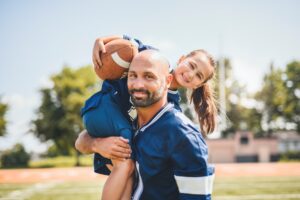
column 145, row 114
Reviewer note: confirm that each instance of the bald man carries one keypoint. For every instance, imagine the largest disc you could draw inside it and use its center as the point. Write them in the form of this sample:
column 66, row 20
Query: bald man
column 170, row 153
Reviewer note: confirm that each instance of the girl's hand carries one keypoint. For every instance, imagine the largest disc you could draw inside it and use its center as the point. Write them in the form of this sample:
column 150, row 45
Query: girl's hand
column 98, row 49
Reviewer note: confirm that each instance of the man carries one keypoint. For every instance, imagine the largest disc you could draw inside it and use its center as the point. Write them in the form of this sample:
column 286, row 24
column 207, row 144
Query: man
column 170, row 153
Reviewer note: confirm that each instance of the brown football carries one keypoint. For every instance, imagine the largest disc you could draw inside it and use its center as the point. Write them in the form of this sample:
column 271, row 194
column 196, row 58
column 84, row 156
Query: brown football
column 116, row 60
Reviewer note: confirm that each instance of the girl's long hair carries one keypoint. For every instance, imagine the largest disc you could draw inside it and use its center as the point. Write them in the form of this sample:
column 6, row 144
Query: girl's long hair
column 204, row 100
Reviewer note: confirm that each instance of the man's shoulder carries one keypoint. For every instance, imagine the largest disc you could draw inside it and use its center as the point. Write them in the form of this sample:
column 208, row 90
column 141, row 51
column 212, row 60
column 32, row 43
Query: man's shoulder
column 176, row 119
column 180, row 130
column 176, row 123
column 170, row 121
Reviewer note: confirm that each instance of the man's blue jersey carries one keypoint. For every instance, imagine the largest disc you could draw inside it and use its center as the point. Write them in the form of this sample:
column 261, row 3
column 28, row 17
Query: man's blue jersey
column 171, row 159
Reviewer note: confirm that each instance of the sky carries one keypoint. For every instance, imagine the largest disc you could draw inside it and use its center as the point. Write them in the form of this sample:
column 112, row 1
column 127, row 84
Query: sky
column 38, row 38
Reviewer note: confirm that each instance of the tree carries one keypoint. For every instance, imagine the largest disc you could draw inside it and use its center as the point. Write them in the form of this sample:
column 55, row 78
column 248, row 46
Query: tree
column 273, row 96
column 15, row 157
column 291, row 107
column 3, row 122
column 58, row 117
column 237, row 114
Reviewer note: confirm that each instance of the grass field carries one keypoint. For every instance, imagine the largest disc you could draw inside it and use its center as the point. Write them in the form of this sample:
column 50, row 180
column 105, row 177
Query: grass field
column 225, row 188
column 61, row 161
column 243, row 181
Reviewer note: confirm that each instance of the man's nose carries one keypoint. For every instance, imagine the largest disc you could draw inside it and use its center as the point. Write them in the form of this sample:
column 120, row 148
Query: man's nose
column 138, row 83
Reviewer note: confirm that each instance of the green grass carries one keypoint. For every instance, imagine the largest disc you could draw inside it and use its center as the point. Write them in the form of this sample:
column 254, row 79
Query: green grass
column 61, row 161
column 246, row 188
column 75, row 191
column 256, row 188
column 5, row 189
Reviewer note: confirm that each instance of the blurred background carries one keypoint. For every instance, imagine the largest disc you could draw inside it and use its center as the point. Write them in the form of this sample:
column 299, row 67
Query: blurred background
column 46, row 75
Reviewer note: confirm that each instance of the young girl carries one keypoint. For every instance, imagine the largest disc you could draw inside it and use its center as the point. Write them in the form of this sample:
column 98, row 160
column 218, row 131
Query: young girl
column 107, row 113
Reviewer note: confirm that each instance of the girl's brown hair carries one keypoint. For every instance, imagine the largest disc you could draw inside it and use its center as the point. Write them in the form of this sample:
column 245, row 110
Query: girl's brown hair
column 204, row 100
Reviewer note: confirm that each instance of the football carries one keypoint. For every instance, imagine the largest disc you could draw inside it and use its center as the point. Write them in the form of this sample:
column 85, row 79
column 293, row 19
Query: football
column 116, row 60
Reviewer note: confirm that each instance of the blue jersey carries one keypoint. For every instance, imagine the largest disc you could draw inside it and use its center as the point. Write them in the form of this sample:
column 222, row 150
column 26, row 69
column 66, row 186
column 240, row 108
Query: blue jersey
column 171, row 159
column 109, row 113
column 111, row 118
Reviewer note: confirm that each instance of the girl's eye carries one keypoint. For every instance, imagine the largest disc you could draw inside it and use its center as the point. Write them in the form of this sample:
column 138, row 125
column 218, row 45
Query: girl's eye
column 192, row 66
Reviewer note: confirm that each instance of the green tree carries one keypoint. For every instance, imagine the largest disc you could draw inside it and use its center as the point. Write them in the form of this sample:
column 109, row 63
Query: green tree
column 58, row 117
column 273, row 96
column 237, row 114
column 3, row 122
column 291, row 107
column 15, row 157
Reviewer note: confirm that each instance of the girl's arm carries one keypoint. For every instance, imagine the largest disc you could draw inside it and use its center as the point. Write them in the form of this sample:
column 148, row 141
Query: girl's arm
column 99, row 48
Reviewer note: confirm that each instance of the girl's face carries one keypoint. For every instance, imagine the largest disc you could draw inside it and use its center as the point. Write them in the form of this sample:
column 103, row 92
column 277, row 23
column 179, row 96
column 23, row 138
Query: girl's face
column 191, row 72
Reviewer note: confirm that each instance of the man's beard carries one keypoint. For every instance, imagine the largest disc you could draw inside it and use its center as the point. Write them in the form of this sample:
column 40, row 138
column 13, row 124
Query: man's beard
column 150, row 99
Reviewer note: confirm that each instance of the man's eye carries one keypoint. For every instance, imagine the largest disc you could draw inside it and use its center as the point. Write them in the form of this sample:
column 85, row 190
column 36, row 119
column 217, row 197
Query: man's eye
column 149, row 77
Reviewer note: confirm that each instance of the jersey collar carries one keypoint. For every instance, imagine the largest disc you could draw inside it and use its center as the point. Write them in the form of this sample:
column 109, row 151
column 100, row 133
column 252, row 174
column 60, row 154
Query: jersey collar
column 157, row 116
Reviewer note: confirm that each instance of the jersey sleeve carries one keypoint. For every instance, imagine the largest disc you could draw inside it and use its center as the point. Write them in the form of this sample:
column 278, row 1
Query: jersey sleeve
column 138, row 43
column 193, row 175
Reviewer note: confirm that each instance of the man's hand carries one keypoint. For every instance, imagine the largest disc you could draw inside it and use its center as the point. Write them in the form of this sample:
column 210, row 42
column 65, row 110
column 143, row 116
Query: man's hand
column 112, row 147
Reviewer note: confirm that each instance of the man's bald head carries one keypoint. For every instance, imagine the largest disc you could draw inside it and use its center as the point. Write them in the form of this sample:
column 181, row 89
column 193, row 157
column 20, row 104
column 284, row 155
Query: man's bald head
column 152, row 58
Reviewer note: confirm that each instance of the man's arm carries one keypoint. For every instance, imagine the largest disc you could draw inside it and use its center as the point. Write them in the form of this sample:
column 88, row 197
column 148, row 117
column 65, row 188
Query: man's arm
column 109, row 147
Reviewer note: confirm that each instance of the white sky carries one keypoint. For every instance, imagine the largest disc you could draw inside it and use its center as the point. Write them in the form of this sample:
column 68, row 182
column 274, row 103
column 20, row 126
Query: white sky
column 38, row 37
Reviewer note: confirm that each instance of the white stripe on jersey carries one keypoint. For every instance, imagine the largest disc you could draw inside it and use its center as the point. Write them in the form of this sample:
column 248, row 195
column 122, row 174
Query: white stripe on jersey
column 195, row 185
column 138, row 192
column 157, row 116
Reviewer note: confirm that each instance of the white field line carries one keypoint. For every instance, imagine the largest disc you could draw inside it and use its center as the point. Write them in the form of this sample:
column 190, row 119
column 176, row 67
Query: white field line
column 26, row 193
column 258, row 197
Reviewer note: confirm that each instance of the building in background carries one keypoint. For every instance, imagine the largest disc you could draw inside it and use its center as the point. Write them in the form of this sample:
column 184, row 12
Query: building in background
column 288, row 141
column 243, row 147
